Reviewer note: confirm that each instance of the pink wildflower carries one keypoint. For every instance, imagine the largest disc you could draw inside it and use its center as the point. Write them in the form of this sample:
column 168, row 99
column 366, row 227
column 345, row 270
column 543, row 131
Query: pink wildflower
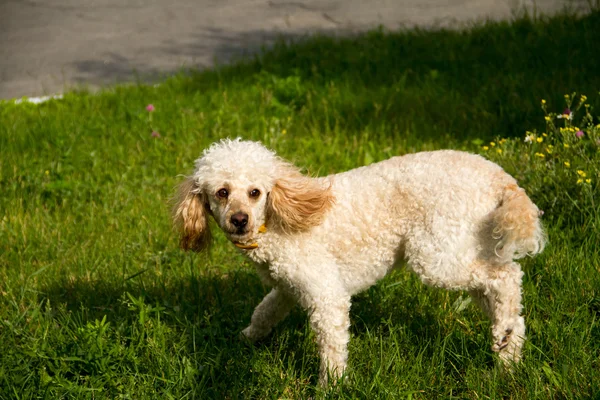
column 579, row 134
column 155, row 134
column 149, row 108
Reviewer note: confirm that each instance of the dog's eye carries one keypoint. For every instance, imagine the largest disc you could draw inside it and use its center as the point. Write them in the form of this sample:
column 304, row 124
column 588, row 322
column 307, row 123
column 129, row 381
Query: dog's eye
column 223, row 193
column 255, row 193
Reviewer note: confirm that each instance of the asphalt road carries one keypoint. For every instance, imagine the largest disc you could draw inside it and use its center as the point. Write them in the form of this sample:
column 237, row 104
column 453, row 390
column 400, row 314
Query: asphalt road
column 47, row 46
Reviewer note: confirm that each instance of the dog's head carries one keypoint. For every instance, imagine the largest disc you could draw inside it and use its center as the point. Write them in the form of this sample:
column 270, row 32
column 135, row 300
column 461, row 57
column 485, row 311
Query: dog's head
column 243, row 185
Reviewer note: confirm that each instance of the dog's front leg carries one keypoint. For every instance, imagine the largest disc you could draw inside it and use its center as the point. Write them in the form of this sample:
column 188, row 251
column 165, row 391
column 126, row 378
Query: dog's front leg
column 271, row 310
column 330, row 320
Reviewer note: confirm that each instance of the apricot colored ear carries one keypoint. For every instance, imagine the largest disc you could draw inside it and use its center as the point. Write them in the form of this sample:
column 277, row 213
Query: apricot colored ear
column 297, row 202
column 190, row 217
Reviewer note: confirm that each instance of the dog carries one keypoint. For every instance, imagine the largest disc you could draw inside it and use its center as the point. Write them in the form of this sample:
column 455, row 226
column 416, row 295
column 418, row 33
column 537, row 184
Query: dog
column 456, row 219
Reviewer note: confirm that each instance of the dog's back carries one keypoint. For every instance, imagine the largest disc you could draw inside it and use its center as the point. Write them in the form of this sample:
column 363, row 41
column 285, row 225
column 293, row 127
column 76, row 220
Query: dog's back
column 444, row 209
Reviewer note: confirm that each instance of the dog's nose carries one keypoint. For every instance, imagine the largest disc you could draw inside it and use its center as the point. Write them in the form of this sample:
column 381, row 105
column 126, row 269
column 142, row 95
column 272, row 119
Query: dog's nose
column 239, row 219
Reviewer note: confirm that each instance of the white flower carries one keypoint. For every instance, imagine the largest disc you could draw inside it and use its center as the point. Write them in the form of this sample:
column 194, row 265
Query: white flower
column 567, row 114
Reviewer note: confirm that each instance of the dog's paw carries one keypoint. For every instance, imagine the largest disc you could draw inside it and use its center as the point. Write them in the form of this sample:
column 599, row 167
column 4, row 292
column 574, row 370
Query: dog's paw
column 251, row 334
column 336, row 378
column 503, row 342
column 246, row 335
column 509, row 343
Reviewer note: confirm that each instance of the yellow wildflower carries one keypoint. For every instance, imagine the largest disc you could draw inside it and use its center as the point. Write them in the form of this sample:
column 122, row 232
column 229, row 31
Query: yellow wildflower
column 540, row 155
column 588, row 180
column 579, row 181
column 583, row 98
column 499, row 151
column 485, row 148
column 566, row 145
column 543, row 101
column 547, row 118
column 544, row 134
column 492, row 144
column 567, row 164
column 549, row 150
column 581, row 173
column 539, row 140
column 283, row 132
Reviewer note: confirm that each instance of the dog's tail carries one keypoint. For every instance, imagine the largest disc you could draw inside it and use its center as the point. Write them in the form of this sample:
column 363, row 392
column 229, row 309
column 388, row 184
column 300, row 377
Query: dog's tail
column 516, row 227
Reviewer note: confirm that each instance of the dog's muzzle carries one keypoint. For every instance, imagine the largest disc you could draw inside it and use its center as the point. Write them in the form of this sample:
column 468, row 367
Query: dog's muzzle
column 261, row 229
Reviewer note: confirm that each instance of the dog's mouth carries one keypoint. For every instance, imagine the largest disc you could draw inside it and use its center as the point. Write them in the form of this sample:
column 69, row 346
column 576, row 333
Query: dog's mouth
column 245, row 238
column 242, row 239
column 238, row 234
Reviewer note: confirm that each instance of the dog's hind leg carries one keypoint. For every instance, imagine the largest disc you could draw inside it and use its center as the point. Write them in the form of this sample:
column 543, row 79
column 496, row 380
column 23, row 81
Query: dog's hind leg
column 272, row 309
column 500, row 299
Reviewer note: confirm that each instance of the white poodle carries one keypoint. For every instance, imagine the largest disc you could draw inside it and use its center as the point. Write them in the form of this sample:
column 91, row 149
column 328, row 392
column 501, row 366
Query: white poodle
column 456, row 219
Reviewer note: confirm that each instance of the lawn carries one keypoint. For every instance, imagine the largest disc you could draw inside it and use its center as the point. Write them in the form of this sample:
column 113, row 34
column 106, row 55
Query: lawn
column 97, row 301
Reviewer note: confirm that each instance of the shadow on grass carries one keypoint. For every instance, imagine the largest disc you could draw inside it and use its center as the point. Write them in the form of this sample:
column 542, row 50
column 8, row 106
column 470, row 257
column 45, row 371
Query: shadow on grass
column 196, row 320
column 205, row 313
column 483, row 82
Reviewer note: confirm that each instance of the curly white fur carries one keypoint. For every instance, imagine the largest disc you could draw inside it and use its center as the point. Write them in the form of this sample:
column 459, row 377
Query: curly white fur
column 458, row 220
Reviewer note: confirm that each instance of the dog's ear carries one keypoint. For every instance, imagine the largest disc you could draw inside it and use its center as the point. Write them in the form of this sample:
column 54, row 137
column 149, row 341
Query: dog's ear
column 297, row 202
column 190, row 216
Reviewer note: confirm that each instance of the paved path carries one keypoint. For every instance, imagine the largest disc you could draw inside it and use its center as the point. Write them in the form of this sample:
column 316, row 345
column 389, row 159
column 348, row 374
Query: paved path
column 49, row 45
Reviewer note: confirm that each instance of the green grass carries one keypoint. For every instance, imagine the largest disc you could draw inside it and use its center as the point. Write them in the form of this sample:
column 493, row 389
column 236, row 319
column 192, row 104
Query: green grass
column 96, row 300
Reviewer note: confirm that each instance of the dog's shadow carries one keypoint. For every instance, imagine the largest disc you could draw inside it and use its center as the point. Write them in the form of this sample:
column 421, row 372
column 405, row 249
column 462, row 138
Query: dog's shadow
column 209, row 310
column 197, row 316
